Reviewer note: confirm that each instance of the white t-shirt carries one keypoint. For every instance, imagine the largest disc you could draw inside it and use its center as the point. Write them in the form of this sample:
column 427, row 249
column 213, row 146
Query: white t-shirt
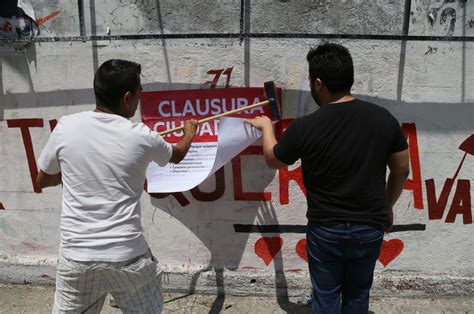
column 103, row 159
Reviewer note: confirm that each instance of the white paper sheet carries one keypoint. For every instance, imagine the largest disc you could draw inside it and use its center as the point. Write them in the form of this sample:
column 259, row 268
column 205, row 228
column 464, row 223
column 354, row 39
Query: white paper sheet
column 203, row 159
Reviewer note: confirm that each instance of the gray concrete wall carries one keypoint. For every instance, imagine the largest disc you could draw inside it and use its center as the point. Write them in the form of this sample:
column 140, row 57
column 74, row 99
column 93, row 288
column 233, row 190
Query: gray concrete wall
column 420, row 66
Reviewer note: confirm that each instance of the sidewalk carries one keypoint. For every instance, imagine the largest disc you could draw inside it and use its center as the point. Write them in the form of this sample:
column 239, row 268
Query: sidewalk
column 39, row 299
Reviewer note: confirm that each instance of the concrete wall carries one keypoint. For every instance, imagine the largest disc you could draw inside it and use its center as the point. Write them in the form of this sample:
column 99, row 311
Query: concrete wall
column 419, row 64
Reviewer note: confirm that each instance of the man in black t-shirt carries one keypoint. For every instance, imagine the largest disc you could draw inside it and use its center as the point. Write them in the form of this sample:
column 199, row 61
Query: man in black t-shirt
column 344, row 147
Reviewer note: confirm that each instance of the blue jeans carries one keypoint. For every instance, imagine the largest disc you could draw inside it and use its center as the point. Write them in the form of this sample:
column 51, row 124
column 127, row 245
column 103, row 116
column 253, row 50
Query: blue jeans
column 341, row 262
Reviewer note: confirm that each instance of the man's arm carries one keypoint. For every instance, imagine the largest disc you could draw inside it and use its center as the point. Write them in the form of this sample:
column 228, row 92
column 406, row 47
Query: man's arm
column 398, row 164
column 44, row 180
column 181, row 148
column 264, row 124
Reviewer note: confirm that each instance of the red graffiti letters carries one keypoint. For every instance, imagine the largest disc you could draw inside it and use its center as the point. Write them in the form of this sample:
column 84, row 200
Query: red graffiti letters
column 436, row 207
column 214, row 195
column 182, row 200
column 25, row 125
column 461, row 203
column 239, row 194
column 217, row 74
column 415, row 183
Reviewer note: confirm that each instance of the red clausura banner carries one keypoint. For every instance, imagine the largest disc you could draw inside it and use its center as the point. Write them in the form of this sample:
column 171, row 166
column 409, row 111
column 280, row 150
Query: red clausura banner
column 163, row 110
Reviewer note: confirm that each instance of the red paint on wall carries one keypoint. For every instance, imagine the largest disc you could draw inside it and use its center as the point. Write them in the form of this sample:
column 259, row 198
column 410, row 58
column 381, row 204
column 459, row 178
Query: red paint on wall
column 415, row 183
column 468, row 145
column 301, row 249
column 390, row 250
column 249, row 267
column 52, row 124
column 217, row 74
column 266, row 248
column 182, row 200
column 25, row 125
column 239, row 194
column 214, row 195
column 284, row 182
column 48, row 17
column 228, row 73
column 436, row 207
column 461, row 203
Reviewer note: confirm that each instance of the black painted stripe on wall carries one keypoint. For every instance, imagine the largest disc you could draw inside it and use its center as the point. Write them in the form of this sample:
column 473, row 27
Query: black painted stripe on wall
column 302, row 228
column 82, row 26
column 249, row 35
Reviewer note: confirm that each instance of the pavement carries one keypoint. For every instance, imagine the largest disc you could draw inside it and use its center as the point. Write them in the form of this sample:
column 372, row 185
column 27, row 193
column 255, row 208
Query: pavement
column 39, row 299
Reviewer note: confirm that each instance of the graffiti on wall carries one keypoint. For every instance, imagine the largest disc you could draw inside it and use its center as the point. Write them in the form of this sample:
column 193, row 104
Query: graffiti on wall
column 446, row 17
column 437, row 194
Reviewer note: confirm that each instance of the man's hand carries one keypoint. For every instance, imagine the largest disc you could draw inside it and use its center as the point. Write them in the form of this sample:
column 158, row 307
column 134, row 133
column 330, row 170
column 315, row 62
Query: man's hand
column 261, row 122
column 190, row 127
column 181, row 148
column 44, row 180
column 264, row 124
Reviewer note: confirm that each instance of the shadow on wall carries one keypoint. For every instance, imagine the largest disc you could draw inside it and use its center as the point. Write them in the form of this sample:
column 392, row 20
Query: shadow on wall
column 212, row 223
column 20, row 61
column 297, row 102
column 58, row 98
column 211, row 218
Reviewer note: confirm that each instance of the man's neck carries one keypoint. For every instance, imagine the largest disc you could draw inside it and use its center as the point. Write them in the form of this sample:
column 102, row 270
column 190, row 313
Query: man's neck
column 339, row 98
column 103, row 109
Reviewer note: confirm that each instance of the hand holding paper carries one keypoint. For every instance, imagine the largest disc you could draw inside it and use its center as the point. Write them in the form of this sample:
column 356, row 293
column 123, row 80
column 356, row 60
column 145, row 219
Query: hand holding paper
column 260, row 122
column 181, row 148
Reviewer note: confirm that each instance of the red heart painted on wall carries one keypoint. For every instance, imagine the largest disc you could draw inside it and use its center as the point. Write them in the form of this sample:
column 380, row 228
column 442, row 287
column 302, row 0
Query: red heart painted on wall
column 266, row 248
column 301, row 249
column 390, row 250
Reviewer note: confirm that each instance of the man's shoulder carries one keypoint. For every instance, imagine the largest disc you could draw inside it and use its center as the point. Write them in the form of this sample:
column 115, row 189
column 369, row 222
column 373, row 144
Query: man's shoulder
column 368, row 104
column 372, row 107
column 140, row 128
column 309, row 118
column 77, row 116
column 70, row 119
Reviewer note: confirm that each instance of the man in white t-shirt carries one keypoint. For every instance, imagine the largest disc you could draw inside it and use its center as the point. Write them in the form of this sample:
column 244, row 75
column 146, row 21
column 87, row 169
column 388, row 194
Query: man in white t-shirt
column 100, row 157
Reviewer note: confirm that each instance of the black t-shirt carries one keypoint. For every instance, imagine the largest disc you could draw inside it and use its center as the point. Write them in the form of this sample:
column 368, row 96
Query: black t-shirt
column 344, row 149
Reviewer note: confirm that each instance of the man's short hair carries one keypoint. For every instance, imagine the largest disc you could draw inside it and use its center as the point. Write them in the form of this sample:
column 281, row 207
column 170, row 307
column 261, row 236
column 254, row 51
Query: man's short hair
column 332, row 64
column 113, row 79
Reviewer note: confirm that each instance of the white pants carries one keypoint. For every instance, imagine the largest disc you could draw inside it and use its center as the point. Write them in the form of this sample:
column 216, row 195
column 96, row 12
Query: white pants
column 81, row 287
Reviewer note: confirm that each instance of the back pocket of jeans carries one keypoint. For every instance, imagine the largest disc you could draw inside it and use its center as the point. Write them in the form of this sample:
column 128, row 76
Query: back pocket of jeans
column 323, row 236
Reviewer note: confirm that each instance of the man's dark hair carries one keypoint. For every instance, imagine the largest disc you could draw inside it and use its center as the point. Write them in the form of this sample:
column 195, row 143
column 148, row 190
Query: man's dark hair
column 332, row 64
column 113, row 79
